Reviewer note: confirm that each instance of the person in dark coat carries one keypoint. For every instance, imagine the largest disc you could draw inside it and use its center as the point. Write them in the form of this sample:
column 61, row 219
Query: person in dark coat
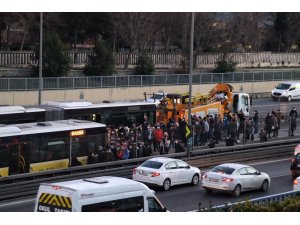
column 269, row 124
column 255, row 120
column 178, row 146
column 182, row 132
column 293, row 119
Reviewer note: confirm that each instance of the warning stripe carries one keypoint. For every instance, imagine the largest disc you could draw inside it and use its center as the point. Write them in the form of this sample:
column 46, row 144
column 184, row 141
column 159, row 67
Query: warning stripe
column 43, row 195
column 56, row 200
column 62, row 201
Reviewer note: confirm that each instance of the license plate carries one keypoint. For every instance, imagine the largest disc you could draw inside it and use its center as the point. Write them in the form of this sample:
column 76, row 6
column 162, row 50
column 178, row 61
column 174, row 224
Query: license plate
column 213, row 180
column 143, row 173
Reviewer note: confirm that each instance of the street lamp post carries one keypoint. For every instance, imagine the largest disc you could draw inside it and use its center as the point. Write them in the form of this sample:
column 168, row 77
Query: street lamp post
column 191, row 77
column 41, row 60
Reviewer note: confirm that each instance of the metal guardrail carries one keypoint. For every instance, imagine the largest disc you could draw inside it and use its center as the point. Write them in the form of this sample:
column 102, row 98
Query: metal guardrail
column 61, row 83
column 24, row 185
column 263, row 200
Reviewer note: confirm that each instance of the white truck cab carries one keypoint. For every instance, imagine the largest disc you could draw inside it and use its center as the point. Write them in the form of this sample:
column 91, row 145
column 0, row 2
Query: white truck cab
column 99, row 194
column 241, row 101
column 156, row 97
column 288, row 90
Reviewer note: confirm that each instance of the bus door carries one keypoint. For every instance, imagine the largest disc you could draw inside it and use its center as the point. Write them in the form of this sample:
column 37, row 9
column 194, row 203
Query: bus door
column 19, row 158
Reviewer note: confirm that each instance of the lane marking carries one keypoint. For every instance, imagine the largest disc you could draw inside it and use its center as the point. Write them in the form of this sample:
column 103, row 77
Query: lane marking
column 18, row 202
column 271, row 161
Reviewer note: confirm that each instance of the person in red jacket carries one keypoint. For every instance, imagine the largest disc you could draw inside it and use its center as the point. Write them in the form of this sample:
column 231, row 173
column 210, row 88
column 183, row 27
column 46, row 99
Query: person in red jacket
column 158, row 136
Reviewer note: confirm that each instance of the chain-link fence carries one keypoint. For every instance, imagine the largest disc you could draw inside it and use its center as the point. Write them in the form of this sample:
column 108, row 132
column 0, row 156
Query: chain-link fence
column 57, row 83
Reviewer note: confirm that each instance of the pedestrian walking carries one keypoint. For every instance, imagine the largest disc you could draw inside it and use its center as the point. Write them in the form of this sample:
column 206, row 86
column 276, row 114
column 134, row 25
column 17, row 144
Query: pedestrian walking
column 293, row 120
column 269, row 125
column 255, row 121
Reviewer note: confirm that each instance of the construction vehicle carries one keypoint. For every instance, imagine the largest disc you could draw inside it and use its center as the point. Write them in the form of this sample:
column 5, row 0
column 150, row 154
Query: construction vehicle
column 221, row 100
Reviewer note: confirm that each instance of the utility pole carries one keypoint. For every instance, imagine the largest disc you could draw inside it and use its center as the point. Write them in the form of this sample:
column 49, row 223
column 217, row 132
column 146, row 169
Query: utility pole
column 191, row 78
column 41, row 60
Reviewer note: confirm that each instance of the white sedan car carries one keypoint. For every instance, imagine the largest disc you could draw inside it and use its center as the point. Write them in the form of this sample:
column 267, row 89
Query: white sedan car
column 235, row 178
column 166, row 172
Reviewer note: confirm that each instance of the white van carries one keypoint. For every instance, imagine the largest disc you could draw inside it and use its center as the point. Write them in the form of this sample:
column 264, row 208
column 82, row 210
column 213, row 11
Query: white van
column 287, row 90
column 99, row 194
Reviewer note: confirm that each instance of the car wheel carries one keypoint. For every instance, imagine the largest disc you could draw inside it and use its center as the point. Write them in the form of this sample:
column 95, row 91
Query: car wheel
column 289, row 98
column 167, row 184
column 195, row 179
column 237, row 190
column 264, row 186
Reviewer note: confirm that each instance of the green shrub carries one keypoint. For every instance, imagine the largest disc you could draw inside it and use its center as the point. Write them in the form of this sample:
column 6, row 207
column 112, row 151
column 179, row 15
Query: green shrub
column 56, row 61
column 144, row 65
column 291, row 204
column 101, row 62
column 224, row 64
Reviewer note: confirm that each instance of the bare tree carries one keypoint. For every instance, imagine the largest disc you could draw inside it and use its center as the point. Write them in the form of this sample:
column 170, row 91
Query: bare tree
column 135, row 29
column 26, row 21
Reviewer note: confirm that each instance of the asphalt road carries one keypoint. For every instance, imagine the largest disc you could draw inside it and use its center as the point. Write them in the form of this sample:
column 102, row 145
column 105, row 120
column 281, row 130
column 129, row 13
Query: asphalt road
column 186, row 198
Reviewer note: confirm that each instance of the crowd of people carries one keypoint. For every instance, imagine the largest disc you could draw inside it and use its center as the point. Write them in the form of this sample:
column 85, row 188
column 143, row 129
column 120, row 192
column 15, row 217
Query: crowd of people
column 142, row 140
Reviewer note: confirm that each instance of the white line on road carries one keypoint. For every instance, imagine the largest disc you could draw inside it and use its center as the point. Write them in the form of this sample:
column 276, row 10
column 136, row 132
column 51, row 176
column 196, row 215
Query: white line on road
column 17, row 202
column 271, row 161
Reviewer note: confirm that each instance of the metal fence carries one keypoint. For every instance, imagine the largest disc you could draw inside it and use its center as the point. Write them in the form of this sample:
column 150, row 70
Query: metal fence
column 80, row 57
column 62, row 83
column 263, row 200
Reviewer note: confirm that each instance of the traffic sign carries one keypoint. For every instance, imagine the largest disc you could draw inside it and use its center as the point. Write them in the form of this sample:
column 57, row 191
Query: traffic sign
column 188, row 133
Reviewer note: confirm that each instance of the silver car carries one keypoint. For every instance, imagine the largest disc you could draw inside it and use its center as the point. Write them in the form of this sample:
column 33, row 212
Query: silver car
column 235, row 178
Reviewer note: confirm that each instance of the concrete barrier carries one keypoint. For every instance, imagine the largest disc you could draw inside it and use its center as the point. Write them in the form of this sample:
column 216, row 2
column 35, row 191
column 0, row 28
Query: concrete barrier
column 258, row 89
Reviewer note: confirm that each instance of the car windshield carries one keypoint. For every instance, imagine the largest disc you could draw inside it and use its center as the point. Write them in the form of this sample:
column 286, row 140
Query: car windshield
column 283, row 86
column 223, row 169
column 152, row 164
